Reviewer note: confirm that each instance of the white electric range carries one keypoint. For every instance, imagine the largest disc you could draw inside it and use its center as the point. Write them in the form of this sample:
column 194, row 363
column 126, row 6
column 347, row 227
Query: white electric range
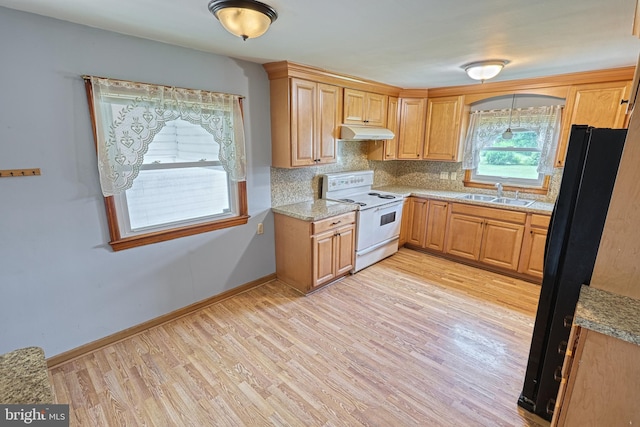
column 378, row 216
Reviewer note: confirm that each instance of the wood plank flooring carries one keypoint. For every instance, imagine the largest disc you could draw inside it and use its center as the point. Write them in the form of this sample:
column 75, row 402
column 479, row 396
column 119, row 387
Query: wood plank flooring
column 414, row 340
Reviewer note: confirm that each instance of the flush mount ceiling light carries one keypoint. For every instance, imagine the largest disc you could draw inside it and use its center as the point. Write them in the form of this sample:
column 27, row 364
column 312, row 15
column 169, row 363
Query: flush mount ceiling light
column 244, row 18
column 484, row 70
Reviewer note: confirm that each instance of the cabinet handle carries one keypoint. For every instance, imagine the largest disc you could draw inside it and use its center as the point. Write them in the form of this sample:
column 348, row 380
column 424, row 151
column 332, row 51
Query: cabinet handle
column 568, row 321
column 562, row 347
column 557, row 374
column 551, row 404
column 336, row 222
column 624, row 101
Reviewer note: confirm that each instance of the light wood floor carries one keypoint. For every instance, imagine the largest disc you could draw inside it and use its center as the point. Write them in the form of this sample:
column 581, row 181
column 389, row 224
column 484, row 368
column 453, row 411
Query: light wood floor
column 412, row 341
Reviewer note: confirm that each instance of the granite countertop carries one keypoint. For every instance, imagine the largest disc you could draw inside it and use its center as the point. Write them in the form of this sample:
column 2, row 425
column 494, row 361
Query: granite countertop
column 453, row 196
column 610, row 314
column 314, row 210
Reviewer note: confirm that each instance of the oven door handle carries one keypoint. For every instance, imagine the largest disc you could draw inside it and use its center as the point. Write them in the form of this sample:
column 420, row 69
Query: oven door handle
column 392, row 205
column 376, row 246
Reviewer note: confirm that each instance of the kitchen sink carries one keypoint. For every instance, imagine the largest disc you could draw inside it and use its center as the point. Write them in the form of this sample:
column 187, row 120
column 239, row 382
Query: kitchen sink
column 512, row 202
column 477, row 197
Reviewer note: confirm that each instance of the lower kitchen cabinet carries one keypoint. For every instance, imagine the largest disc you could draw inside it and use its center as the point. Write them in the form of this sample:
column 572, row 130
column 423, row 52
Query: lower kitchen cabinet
column 533, row 245
column 490, row 236
column 501, row 239
column 417, row 221
column 599, row 384
column 312, row 254
column 436, row 225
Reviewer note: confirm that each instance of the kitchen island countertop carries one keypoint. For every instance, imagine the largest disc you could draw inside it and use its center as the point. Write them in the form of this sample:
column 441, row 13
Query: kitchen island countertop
column 608, row 313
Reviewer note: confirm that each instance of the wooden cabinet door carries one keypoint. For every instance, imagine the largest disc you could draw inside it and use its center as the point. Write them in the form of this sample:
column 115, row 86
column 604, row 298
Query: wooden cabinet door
column 387, row 149
column 501, row 244
column 405, row 224
column 412, row 119
column 323, row 258
column 464, row 236
column 344, row 250
column 327, row 123
column 436, row 225
column 303, row 122
column 532, row 255
column 375, row 110
column 417, row 221
column 443, row 128
column 354, row 107
column 597, row 105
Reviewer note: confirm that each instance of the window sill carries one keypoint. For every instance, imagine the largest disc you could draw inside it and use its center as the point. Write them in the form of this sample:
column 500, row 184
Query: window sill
column 507, row 187
column 175, row 233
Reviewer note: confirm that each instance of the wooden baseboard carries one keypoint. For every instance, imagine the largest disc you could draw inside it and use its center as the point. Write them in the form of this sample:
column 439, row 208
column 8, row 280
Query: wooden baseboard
column 129, row 332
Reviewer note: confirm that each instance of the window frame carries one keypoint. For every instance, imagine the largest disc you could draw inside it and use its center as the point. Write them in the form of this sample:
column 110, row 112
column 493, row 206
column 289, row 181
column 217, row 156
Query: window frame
column 118, row 242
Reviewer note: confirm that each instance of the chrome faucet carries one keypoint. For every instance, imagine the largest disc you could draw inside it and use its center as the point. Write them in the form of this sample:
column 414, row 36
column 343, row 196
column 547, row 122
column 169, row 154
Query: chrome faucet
column 499, row 187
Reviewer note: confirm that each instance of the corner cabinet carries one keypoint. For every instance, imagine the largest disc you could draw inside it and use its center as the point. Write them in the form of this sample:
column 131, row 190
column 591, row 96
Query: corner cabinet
column 365, row 108
column 412, row 124
column 312, row 254
column 601, row 105
column 305, row 120
column 445, row 128
column 533, row 245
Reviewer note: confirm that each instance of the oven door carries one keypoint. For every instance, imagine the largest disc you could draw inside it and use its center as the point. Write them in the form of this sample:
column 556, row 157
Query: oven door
column 378, row 224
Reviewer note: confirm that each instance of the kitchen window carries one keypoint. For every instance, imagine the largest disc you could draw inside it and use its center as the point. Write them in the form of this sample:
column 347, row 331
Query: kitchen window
column 171, row 160
column 515, row 147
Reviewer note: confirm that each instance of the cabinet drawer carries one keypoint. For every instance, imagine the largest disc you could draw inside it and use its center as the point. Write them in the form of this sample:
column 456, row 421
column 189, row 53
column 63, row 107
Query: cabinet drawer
column 490, row 213
column 540, row 220
column 333, row 222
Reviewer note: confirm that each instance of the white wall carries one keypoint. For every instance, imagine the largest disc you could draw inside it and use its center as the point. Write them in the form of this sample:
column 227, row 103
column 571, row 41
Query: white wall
column 61, row 286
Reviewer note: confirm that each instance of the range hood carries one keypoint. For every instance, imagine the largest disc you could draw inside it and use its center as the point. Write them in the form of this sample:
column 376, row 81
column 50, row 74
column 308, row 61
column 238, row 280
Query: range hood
column 364, row 133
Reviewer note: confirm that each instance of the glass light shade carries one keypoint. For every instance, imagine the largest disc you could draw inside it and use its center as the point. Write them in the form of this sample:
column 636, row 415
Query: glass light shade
column 484, row 70
column 243, row 18
column 507, row 134
column 245, row 23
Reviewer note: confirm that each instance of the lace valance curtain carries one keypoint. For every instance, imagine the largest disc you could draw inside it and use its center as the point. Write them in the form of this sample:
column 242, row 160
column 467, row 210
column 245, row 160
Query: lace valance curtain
column 128, row 115
column 486, row 126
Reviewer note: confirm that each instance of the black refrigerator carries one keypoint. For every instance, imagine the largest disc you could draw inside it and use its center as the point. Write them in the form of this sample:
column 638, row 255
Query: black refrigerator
column 577, row 221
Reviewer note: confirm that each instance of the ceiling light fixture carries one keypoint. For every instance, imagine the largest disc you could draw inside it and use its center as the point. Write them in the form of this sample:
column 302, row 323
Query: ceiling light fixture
column 484, row 70
column 244, row 18
column 508, row 134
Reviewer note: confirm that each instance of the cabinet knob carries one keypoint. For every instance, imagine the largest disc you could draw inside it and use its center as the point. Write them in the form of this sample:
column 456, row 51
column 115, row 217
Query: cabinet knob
column 567, row 321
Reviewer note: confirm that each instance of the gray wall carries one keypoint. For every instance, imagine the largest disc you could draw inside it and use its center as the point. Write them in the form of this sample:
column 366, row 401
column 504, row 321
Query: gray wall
column 61, row 286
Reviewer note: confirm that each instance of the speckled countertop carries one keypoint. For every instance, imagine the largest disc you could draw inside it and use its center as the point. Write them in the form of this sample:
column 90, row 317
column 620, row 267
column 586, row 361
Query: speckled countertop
column 610, row 314
column 453, row 196
column 314, row 210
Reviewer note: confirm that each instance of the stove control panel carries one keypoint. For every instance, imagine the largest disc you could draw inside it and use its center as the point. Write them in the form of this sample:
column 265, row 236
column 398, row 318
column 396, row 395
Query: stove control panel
column 344, row 180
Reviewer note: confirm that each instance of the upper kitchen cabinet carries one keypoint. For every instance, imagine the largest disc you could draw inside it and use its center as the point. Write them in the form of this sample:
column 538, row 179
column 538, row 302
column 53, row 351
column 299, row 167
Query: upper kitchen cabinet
column 388, row 149
column 599, row 105
column 365, row 108
column 412, row 123
column 444, row 128
column 305, row 122
column 306, row 111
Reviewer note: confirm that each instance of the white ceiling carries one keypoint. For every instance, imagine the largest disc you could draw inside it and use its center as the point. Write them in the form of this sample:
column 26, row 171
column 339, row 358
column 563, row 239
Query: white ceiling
column 407, row 43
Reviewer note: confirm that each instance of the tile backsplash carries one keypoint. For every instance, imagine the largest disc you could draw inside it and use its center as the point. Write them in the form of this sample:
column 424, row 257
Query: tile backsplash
column 303, row 184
